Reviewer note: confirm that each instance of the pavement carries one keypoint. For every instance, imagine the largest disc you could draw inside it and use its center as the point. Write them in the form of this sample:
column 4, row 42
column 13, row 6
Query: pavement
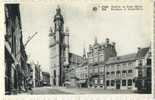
column 63, row 90
column 48, row 90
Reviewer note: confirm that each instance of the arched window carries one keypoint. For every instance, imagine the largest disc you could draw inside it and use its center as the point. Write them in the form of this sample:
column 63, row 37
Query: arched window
column 107, row 82
column 54, row 73
column 118, row 73
column 148, row 61
column 112, row 82
column 129, row 82
column 123, row 82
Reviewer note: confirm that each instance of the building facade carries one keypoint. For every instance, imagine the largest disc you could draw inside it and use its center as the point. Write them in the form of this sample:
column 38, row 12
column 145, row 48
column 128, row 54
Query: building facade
column 98, row 54
column 120, row 72
column 126, row 72
column 81, row 72
column 29, row 76
column 15, row 55
column 132, row 71
column 36, row 74
column 70, row 77
column 143, row 64
column 45, row 79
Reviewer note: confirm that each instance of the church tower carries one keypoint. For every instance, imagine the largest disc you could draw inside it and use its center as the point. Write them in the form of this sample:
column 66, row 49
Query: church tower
column 59, row 50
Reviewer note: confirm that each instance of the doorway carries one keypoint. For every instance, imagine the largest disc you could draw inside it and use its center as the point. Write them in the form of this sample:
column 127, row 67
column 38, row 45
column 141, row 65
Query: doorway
column 54, row 80
column 118, row 84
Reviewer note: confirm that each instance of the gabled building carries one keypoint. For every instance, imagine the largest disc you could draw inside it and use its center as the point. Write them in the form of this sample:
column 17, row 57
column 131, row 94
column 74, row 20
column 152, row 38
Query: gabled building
column 132, row 71
column 98, row 54
column 70, row 73
column 144, row 70
column 81, row 72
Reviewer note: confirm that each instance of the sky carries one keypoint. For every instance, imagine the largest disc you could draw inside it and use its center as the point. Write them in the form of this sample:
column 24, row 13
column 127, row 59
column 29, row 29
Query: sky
column 127, row 28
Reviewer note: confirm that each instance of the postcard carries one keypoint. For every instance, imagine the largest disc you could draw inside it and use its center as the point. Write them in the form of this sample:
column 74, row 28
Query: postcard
column 77, row 49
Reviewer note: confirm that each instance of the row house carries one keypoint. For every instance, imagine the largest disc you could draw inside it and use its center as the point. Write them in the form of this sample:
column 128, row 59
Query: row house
column 15, row 55
column 144, row 70
column 132, row 71
column 81, row 73
column 70, row 76
column 29, row 76
column 37, row 74
column 120, row 72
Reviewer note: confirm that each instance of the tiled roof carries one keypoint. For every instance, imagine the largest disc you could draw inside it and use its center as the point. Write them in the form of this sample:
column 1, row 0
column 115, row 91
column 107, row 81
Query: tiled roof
column 142, row 52
column 74, row 58
column 124, row 58
column 73, row 54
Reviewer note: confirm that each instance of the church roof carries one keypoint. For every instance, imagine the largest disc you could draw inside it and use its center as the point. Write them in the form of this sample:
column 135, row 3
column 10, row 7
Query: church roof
column 74, row 58
column 130, row 57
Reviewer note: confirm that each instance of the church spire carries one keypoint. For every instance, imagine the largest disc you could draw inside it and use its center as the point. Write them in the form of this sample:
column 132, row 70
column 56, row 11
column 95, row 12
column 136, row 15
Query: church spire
column 95, row 40
column 58, row 10
column 58, row 20
column 84, row 53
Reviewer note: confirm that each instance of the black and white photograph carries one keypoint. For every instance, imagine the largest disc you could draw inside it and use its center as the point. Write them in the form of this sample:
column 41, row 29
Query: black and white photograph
column 78, row 48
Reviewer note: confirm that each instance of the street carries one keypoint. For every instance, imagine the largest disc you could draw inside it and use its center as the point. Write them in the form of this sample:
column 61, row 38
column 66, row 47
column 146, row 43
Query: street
column 63, row 90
